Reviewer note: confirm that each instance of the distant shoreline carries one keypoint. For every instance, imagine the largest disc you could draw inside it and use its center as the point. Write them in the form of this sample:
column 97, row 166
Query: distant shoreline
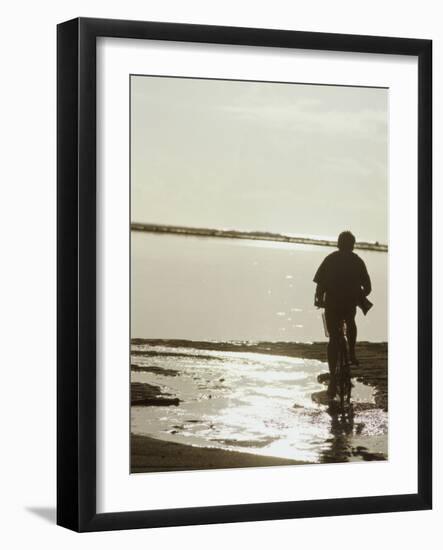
column 249, row 235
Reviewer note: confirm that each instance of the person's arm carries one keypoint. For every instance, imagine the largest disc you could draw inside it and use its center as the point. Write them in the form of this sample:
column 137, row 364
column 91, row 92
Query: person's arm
column 320, row 290
column 365, row 280
column 319, row 300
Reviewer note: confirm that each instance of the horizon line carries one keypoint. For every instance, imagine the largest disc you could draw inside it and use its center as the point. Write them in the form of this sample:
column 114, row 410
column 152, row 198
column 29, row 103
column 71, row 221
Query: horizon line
column 249, row 235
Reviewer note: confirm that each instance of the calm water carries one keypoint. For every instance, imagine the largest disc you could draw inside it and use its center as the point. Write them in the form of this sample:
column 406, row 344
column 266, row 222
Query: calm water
column 215, row 289
column 253, row 402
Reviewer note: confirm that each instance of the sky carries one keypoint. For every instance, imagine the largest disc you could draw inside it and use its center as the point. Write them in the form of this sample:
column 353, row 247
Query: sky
column 291, row 158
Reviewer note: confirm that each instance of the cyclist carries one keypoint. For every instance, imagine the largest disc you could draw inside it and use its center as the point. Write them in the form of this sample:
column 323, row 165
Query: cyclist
column 342, row 284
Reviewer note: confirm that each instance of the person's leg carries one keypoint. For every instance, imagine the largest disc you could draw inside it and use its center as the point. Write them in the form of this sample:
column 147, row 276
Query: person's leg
column 333, row 326
column 351, row 333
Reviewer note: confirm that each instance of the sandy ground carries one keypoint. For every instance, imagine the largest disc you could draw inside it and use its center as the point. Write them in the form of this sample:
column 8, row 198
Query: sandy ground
column 149, row 454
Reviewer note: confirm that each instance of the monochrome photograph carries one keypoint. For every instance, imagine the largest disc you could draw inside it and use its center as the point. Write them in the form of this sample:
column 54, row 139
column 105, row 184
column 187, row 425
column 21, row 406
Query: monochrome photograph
column 259, row 274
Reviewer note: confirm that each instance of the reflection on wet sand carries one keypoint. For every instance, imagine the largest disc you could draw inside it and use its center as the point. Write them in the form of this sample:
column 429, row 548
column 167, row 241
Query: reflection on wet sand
column 266, row 399
column 344, row 442
column 348, row 422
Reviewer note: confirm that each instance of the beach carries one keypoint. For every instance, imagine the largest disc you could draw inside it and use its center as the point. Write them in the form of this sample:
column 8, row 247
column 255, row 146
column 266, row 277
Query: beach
column 184, row 421
column 153, row 455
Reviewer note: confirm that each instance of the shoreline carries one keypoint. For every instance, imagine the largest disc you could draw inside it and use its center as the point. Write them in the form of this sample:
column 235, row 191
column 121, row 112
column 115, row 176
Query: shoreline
column 149, row 454
column 250, row 235
column 373, row 357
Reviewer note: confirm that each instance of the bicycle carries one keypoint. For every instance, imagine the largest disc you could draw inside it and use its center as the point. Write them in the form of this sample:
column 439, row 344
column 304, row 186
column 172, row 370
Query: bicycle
column 340, row 382
column 343, row 369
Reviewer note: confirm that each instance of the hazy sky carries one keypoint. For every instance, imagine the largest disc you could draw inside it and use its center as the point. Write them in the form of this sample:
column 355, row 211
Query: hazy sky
column 251, row 155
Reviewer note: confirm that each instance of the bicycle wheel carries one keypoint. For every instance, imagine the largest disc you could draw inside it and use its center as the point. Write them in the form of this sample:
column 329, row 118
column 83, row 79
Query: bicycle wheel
column 342, row 367
column 343, row 375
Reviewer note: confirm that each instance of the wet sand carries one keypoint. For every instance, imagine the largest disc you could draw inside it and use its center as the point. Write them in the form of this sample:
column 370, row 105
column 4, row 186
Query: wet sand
column 150, row 395
column 153, row 455
column 373, row 368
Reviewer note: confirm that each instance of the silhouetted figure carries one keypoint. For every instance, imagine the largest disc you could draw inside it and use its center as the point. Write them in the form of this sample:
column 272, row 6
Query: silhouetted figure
column 342, row 284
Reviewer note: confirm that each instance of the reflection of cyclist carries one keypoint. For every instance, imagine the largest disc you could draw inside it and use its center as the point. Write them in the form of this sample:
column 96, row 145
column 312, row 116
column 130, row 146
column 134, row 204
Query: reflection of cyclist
column 342, row 284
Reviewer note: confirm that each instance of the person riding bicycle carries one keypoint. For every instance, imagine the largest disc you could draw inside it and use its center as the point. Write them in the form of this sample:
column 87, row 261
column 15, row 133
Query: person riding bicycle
column 343, row 283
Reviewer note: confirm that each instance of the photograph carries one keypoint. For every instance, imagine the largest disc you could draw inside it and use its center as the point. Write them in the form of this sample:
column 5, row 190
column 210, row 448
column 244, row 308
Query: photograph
column 258, row 273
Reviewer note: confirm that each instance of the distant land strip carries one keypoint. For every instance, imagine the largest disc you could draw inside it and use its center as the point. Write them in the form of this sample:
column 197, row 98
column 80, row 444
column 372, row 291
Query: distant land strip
column 249, row 235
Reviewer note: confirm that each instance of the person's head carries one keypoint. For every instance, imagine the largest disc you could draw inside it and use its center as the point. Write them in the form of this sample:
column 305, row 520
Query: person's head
column 346, row 241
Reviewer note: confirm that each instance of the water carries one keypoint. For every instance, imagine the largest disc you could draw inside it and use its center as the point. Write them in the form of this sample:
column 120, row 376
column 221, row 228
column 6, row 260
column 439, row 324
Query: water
column 216, row 289
column 202, row 289
column 253, row 402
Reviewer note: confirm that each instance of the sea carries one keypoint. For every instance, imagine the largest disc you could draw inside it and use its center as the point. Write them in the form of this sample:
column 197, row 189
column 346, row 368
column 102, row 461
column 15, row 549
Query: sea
column 201, row 288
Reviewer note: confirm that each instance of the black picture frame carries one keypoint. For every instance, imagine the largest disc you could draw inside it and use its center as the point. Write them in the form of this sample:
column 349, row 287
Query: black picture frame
column 76, row 273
